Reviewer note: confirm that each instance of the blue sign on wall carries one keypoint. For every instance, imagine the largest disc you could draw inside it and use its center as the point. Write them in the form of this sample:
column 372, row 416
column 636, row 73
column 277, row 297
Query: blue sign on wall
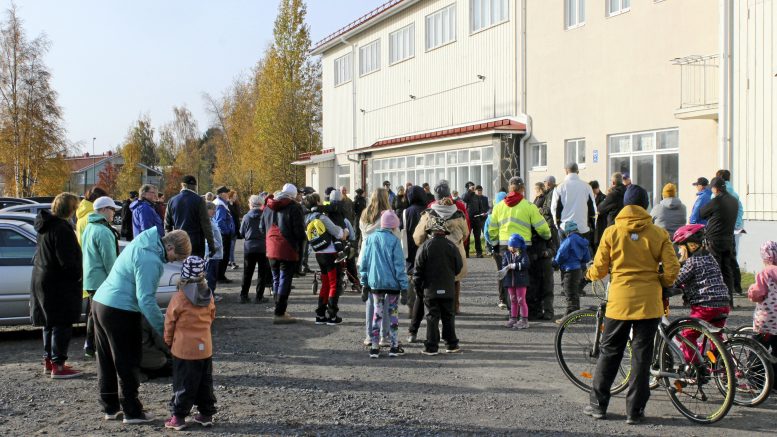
column 596, row 156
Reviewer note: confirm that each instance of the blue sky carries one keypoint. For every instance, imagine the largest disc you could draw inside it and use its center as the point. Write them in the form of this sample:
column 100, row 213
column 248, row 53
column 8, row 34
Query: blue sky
column 113, row 61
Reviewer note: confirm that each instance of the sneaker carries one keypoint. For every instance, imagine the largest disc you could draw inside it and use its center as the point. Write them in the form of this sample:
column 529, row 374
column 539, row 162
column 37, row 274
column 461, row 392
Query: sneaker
column 113, row 416
column 396, row 352
column 384, row 342
column 595, row 412
column 176, row 423
column 88, row 354
column 412, row 338
column 635, row 419
column 244, row 299
column 367, row 341
column 217, row 297
column 63, row 372
column 334, row 321
column 206, row 421
column 452, row 349
column 374, row 353
column 502, row 305
column 145, row 417
column 321, row 320
column 235, row 266
column 511, row 323
column 284, row 319
column 522, row 324
column 429, row 353
column 47, row 366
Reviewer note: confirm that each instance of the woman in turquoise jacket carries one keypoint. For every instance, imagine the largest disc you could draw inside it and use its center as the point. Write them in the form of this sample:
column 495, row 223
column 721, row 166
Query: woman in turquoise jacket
column 126, row 296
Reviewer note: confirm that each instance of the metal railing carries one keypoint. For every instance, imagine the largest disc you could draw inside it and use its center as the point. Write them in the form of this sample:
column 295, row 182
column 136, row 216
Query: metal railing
column 698, row 81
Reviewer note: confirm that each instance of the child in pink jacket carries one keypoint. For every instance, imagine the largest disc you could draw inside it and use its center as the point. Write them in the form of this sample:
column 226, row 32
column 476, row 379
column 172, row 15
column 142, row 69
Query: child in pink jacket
column 764, row 294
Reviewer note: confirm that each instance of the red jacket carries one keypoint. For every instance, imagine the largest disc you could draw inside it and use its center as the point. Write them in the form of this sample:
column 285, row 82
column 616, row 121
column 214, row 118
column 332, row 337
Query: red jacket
column 284, row 225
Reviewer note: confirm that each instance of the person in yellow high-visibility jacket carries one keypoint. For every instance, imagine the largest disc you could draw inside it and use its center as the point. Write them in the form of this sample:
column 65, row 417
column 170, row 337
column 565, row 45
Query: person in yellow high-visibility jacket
column 516, row 215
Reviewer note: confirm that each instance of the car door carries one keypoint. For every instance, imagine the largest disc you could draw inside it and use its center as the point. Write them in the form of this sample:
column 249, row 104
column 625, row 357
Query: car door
column 16, row 253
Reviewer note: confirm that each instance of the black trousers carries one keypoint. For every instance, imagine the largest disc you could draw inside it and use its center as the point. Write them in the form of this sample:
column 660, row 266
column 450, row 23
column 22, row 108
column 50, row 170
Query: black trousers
column 226, row 239
column 539, row 294
column 304, row 265
column 118, row 337
column 282, row 275
column 56, row 340
column 735, row 271
column 193, row 385
column 440, row 310
column 89, row 341
column 198, row 245
column 614, row 339
column 252, row 261
column 477, row 230
column 417, row 312
column 724, row 255
column 502, row 293
column 571, row 282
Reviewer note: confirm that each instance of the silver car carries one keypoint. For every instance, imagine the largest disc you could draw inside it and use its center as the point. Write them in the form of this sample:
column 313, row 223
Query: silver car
column 32, row 208
column 17, row 247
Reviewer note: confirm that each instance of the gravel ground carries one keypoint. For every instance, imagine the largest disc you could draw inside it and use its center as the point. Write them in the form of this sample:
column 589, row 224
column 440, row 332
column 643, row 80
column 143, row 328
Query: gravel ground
column 304, row 379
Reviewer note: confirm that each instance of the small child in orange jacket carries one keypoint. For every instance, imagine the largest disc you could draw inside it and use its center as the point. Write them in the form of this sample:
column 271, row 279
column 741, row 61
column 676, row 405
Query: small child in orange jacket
column 190, row 314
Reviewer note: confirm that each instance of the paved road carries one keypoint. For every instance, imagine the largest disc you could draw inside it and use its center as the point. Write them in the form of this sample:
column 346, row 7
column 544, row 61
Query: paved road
column 311, row 380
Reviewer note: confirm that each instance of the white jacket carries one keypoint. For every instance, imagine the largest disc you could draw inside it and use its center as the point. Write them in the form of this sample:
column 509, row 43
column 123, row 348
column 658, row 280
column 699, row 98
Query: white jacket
column 574, row 195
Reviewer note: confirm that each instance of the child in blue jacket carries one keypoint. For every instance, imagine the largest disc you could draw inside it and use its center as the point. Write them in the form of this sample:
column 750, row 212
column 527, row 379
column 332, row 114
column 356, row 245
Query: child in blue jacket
column 572, row 257
column 515, row 267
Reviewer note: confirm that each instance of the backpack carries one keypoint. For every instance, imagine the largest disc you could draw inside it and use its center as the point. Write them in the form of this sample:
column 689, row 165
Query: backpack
column 317, row 235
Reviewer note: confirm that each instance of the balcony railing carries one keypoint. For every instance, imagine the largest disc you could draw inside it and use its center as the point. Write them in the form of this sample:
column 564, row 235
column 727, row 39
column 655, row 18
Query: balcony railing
column 698, row 81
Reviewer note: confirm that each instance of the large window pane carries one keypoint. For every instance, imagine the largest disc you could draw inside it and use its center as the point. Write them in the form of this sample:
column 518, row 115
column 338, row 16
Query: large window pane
column 474, row 155
column 667, row 140
column 642, row 174
column 644, row 142
column 581, row 152
column 429, row 159
column 439, row 159
column 620, row 143
column 620, row 164
column 474, row 175
column 463, row 174
column 488, row 154
column 429, row 177
column 667, row 170
column 438, row 176
column 451, row 158
column 452, row 177
column 487, row 177
column 463, row 156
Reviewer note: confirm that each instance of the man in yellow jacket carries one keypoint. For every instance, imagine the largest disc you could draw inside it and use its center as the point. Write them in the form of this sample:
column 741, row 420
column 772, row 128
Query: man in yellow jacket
column 630, row 252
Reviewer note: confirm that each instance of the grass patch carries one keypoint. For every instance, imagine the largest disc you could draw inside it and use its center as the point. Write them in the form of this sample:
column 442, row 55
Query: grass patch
column 748, row 279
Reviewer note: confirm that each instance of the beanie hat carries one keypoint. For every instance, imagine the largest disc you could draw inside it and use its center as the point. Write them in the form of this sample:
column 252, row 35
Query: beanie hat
column 636, row 195
column 328, row 190
column 718, row 183
column 193, row 267
column 389, row 220
column 670, row 190
column 442, row 189
column 516, row 241
column 570, row 227
column 335, row 196
column 769, row 252
column 500, row 196
column 436, row 224
column 290, row 189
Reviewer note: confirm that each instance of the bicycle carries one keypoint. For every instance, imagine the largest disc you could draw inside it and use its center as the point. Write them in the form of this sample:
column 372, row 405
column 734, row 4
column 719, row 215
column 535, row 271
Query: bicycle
column 754, row 366
column 686, row 380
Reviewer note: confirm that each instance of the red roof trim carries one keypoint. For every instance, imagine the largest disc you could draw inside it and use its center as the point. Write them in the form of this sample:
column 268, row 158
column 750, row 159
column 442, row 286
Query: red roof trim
column 505, row 124
column 358, row 22
column 308, row 155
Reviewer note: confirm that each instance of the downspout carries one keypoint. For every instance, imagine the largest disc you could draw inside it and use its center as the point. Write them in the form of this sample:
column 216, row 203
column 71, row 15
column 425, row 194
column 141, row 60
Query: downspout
column 354, row 78
column 725, row 99
column 522, row 103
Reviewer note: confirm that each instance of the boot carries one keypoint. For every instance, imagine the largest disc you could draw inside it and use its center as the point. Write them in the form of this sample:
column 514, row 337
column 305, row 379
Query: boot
column 456, row 298
column 321, row 317
column 332, row 310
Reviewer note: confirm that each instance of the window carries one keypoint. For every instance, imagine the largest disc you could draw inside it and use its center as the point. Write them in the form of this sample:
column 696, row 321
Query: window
column 343, row 69
column 574, row 151
column 539, row 155
column 344, row 176
column 574, row 12
column 487, row 13
column 441, row 27
column 369, row 58
column 402, row 44
column 615, row 7
column 15, row 248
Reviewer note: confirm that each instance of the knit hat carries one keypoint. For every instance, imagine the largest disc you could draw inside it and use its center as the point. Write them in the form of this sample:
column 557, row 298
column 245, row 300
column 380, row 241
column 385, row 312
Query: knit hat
column 193, row 267
column 290, row 189
column 436, row 224
column 516, row 241
column 670, row 190
column 636, row 195
column 570, row 227
column 442, row 189
column 769, row 252
column 389, row 220
column 335, row 196
column 718, row 183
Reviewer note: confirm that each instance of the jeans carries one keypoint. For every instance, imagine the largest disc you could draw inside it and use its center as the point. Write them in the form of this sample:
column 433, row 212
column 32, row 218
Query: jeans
column 212, row 272
column 440, row 310
column 56, row 340
column 232, row 249
column 118, row 337
column 370, row 313
column 571, row 281
column 253, row 261
column 282, row 274
column 614, row 339
column 224, row 263
column 89, row 341
column 383, row 303
column 193, row 385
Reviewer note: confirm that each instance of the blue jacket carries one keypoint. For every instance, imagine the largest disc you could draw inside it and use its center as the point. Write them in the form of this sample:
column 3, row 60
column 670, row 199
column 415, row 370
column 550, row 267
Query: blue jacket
column 144, row 217
column 218, row 242
column 132, row 283
column 519, row 277
column 741, row 212
column 253, row 237
column 223, row 218
column 383, row 263
column 702, row 198
column 573, row 253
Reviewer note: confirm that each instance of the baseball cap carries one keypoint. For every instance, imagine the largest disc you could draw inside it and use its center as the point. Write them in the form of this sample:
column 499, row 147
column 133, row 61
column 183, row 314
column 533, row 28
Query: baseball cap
column 104, row 202
column 626, row 175
column 222, row 189
column 701, row 181
column 189, row 180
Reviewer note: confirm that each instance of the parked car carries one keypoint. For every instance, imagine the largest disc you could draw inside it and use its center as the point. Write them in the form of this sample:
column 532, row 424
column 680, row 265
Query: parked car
column 31, row 208
column 26, row 217
column 17, row 248
column 11, row 201
column 41, row 199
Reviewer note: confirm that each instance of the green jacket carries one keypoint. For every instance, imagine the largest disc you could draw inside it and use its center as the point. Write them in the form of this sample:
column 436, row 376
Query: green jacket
column 516, row 215
column 100, row 249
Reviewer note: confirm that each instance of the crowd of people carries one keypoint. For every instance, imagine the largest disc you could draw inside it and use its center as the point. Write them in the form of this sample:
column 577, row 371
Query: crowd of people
column 409, row 247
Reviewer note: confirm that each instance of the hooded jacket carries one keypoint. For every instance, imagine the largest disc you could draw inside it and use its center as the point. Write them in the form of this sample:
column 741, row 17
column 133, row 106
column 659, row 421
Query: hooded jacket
column 437, row 264
column 383, row 264
column 284, row 225
column 55, row 297
column 573, row 254
column 630, row 251
column 84, row 209
column 100, row 248
column 132, row 283
column 412, row 215
column 612, row 203
column 144, row 216
column 516, row 215
column 457, row 229
column 188, row 320
column 253, row 238
column 669, row 214
column 187, row 211
column 702, row 198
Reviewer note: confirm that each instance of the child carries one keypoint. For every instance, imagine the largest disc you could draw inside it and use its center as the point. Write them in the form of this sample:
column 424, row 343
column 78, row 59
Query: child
column 437, row 263
column 764, row 293
column 515, row 267
column 212, row 264
column 701, row 280
column 187, row 332
column 572, row 256
column 382, row 273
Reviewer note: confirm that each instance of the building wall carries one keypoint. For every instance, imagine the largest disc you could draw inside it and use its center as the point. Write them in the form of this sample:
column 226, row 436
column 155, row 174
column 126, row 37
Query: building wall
column 614, row 75
column 443, row 80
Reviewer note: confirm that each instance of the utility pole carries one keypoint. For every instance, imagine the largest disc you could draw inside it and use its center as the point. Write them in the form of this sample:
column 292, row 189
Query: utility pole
column 94, row 165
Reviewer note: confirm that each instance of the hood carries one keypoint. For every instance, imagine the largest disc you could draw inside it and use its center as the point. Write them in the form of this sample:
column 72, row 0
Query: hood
column 500, row 196
column 84, row 208
column 633, row 218
column 150, row 240
column 416, row 196
column 96, row 217
column 279, row 203
column 513, row 199
column 444, row 211
column 197, row 291
column 671, row 203
column 45, row 220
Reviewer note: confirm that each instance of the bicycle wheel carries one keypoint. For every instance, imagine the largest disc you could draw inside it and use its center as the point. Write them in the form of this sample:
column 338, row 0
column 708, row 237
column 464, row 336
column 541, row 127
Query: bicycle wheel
column 574, row 351
column 693, row 384
column 754, row 372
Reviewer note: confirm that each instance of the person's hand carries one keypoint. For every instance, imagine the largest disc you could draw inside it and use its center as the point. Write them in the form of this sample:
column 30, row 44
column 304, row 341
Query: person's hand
column 345, row 234
column 555, row 265
column 511, row 266
column 365, row 292
column 403, row 297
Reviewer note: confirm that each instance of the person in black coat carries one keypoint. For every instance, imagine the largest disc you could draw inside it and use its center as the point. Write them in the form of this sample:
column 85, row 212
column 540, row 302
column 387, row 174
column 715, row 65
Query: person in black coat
column 721, row 215
column 613, row 202
column 126, row 216
column 56, row 285
column 417, row 198
column 187, row 211
column 599, row 222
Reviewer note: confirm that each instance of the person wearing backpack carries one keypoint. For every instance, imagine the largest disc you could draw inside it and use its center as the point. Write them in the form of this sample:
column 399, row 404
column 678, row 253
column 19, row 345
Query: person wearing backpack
column 322, row 235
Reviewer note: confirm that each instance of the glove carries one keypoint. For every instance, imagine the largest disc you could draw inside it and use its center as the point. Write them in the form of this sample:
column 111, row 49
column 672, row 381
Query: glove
column 403, row 297
column 365, row 292
column 511, row 266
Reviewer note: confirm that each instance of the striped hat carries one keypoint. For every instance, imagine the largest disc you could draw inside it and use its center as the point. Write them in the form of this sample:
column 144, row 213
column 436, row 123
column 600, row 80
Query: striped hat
column 193, row 267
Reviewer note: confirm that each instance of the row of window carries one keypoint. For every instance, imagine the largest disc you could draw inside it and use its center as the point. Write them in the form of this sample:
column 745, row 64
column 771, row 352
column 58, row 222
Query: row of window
column 574, row 10
column 440, row 29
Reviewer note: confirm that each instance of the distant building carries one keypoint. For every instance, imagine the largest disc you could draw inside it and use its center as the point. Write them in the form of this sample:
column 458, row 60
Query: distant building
column 85, row 171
